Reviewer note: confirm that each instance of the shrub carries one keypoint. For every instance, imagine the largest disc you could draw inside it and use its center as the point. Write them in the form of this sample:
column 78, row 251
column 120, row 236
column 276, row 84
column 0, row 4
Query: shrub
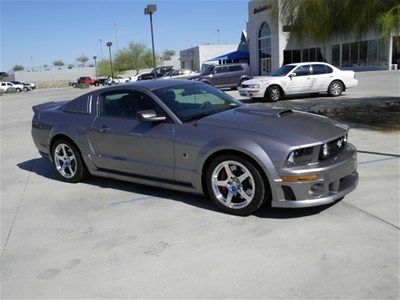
column 82, row 86
column 11, row 90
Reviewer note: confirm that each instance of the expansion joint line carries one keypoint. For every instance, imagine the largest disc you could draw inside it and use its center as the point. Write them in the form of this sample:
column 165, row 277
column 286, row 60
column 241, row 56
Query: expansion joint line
column 17, row 210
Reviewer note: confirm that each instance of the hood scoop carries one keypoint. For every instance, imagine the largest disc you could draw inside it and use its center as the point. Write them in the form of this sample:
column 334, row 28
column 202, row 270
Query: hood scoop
column 271, row 112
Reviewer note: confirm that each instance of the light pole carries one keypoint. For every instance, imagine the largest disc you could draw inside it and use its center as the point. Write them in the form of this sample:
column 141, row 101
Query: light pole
column 101, row 49
column 109, row 44
column 32, row 64
column 218, row 35
column 150, row 10
column 95, row 65
column 116, row 37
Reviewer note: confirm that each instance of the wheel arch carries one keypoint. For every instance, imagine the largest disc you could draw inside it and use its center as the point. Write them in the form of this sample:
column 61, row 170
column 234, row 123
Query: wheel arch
column 253, row 158
column 340, row 80
column 272, row 85
column 59, row 136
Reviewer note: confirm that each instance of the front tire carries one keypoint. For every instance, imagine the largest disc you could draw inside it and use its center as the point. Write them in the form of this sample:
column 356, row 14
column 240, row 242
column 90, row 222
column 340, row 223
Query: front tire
column 235, row 185
column 335, row 89
column 18, row 90
column 68, row 161
column 274, row 93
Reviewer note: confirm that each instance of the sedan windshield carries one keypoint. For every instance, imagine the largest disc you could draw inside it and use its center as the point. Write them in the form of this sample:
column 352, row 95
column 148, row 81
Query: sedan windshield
column 195, row 100
column 282, row 71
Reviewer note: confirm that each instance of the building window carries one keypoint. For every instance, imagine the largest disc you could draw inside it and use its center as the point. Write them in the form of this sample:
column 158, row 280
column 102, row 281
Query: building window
column 373, row 52
column 336, row 55
column 305, row 55
column 363, row 60
column 264, row 49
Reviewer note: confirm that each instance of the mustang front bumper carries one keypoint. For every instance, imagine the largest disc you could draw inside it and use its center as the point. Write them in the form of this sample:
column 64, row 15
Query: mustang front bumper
column 335, row 178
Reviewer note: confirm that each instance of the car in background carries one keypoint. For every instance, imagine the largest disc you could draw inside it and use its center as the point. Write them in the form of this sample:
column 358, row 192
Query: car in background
column 33, row 85
column 299, row 78
column 5, row 86
column 159, row 71
column 26, row 86
column 119, row 79
column 225, row 76
column 192, row 137
column 85, row 80
column 179, row 74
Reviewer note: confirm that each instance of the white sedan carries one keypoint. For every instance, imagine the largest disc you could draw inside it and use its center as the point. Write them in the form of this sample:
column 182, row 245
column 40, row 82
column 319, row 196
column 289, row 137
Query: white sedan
column 299, row 78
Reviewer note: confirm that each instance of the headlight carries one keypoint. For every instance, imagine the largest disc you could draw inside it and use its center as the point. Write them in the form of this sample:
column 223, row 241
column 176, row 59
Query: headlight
column 253, row 86
column 299, row 157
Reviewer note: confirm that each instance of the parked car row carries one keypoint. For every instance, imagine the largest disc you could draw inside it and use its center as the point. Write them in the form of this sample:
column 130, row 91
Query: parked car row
column 296, row 78
column 17, row 86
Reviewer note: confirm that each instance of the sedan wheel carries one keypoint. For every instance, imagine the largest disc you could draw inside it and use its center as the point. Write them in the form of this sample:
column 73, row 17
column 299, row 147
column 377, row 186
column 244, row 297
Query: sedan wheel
column 274, row 93
column 235, row 185
column 68, row 162
column 335, row 89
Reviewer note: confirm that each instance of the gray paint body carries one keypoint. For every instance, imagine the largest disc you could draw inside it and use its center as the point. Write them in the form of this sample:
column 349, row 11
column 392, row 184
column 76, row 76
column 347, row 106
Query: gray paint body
column 172, row 154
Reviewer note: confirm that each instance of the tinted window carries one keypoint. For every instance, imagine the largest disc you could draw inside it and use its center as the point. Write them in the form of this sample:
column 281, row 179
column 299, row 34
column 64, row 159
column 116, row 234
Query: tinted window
column 194, row 101
column 235, row 68
column 319, row 69
column 302, row 71
column 221, row 70
column 125, row 104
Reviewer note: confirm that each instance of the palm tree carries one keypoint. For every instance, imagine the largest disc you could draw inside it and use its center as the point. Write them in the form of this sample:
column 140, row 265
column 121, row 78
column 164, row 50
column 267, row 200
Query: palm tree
column 323, row 19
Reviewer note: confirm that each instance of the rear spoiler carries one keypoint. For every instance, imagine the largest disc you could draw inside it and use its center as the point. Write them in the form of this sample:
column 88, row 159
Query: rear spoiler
column 39, row 107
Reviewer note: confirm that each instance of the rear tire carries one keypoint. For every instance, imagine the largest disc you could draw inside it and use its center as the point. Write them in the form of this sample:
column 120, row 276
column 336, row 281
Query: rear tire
column 235, row 185
column 274, row 93
column 18, row 90
column 68, row 161
column 335, row 89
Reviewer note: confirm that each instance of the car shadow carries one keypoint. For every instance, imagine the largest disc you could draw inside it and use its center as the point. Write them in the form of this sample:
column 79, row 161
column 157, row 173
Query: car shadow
column 43, row 167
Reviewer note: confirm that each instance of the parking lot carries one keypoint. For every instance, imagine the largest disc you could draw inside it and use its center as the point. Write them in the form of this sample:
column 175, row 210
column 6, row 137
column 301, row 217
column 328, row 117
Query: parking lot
column 109, row 239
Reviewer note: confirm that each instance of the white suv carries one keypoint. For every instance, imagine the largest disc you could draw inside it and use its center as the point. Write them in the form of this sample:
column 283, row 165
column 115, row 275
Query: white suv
column 299, row 78
column 6, row 85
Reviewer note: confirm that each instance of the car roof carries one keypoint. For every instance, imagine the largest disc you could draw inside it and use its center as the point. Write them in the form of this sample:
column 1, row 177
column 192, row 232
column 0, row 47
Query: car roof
column 154, row 84
column 308, row 63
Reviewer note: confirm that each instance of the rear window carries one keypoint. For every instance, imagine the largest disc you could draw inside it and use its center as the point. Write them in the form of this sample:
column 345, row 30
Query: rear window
column 80, row 105
column 321, row 69
column 235, row 68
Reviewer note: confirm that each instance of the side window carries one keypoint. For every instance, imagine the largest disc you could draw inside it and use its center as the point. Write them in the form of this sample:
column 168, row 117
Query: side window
column 126, row 104
column 302, row 71
column 319, row 69
column 329, row 69
column 221, row 70
column 235, row 68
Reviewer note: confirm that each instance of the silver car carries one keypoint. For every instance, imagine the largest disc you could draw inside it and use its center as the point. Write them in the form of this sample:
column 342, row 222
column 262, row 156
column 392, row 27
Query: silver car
column 189, row 136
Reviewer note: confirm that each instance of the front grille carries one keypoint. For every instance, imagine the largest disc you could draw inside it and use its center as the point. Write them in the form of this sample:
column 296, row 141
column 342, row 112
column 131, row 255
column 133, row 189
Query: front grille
column 334, row 147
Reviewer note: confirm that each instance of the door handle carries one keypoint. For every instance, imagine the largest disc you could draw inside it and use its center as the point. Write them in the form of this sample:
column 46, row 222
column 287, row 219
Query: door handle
column 104, row 129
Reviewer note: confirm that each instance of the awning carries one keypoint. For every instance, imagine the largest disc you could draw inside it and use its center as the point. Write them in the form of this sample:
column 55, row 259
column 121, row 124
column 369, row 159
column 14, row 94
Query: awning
column 236, row 55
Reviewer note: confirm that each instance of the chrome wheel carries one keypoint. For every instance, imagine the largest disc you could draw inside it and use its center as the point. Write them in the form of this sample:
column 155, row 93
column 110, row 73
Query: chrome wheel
column 233, row 184
column 65, row 160
column 274, row 94
column 336, row 89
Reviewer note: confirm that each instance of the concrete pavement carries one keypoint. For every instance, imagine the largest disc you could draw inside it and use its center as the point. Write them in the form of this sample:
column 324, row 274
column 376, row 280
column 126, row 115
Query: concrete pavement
column 110, row 239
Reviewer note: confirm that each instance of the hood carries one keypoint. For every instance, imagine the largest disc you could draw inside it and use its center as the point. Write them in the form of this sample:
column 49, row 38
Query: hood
column 295, row 128
column 260, row 79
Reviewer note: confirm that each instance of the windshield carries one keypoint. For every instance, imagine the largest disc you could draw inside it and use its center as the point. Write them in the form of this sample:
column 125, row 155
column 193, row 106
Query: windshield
column 195, row 100
column 282, row 71
column 208, row 70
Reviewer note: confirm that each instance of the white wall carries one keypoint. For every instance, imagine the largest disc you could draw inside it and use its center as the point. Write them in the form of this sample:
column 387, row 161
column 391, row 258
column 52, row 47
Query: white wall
column 54, row 74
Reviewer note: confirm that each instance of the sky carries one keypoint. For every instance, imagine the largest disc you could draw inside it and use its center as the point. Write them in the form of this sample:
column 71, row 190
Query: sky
column 50, row 30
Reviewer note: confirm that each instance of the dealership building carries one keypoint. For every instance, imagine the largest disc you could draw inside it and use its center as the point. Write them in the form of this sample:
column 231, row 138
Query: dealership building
column 271, row 45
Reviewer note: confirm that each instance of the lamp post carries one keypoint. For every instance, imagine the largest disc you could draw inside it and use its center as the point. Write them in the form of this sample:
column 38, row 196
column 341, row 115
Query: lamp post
column 150, row 10
column 218, row 35
column 95, row 65
column 116, row 36
column 109, row 44
column 101, row 50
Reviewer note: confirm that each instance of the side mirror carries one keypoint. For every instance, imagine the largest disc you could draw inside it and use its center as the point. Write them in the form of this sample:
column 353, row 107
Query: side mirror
column 149, row 116
column 292, row 75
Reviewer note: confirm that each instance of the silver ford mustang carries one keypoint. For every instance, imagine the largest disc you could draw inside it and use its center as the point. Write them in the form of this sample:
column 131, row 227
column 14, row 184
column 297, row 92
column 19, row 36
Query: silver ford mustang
column 191, row 137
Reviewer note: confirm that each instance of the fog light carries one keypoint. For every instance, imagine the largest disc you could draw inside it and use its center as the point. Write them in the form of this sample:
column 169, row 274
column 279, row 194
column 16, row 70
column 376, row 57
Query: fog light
column 316, row 190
